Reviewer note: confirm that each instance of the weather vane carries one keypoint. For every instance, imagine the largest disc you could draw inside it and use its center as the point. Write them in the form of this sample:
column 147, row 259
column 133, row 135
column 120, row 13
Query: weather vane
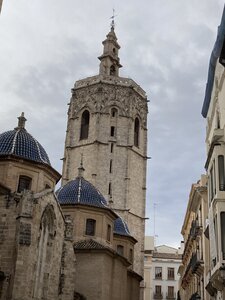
column 113, row 19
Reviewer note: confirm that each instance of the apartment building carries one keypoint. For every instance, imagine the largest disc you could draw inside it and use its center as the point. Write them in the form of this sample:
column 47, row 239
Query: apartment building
column 161, row 270
column 195, row 260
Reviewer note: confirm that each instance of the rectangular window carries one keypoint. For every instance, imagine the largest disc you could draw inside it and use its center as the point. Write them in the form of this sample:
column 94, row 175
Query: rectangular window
column 111, row 148
column 222, row 220
column 211, row 185
column 112, row 131
column 108, row 233
column 158, row 291
column 170, row 273
column 221, row 173
column 119, row 249
column 90, row 227
column 24, row 183
column 110, row 166
column 131, row 255
column 110, row 189
column 171, row 292
column 158, row 272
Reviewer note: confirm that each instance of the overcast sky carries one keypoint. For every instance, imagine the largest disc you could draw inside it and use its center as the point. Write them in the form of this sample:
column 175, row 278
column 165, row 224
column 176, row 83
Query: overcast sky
column 45, row 46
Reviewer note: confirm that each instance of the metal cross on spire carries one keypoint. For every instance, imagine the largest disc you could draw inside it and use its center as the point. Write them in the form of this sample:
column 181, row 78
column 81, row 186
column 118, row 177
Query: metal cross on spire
column 113, row 19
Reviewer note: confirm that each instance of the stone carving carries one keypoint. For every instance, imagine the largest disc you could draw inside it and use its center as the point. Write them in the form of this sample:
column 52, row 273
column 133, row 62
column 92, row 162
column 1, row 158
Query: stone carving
column 101, row 97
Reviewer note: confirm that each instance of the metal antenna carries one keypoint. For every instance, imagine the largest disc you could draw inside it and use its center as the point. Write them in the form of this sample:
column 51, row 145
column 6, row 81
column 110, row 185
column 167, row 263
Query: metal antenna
column 113, row 19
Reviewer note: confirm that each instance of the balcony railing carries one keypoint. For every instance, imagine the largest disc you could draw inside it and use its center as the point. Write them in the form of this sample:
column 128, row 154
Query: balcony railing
column 195, row 229
column 158, row 296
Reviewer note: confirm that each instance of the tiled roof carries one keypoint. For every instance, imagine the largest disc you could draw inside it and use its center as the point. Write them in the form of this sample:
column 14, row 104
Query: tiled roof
column 80, row 191
column 20, row 143
column 88, row 244
column 120, row 227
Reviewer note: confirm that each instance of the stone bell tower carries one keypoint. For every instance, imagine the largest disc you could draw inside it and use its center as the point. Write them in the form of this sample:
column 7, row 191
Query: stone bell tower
column 107, row 125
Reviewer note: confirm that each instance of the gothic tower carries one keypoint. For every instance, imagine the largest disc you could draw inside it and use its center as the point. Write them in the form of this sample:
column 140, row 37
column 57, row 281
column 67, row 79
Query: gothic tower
column 107, row 124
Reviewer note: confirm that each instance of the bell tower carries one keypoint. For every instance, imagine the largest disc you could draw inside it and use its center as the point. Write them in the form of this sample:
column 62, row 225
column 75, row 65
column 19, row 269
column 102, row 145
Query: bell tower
column 107, row 125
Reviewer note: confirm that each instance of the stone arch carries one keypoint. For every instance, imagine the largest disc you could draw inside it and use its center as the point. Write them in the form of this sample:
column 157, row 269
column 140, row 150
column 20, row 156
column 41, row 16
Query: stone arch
column 44, row 255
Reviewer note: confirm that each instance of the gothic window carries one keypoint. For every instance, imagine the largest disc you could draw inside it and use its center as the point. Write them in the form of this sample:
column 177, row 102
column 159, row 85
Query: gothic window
column 44, row 255
column 90, row 227
column 111, row 148
column 84, row 125
column 120, row 249
column 114, row 112
column 110, row 166
column 110, row 189
column 221, row 173
column 136, row 132
column 112, row 131
column 109, row 233
column 112, row 70
column 24, row 183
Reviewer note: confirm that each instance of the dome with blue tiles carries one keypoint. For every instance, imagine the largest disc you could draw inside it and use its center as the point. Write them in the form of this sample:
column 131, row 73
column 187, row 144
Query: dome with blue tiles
column 80, row 191
column 120, row 227
column 20, row 143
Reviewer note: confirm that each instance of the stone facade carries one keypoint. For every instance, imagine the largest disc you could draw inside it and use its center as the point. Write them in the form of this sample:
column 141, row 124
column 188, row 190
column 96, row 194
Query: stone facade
column 75, row 244
column 114, row 151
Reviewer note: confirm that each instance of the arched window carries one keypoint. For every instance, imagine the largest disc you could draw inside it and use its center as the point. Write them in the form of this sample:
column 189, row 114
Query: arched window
column 24, row 183
column 136, row 132
column 112, row 70
column 90, row 227
column 114, row 112
column 44, row 255
column 84, row 125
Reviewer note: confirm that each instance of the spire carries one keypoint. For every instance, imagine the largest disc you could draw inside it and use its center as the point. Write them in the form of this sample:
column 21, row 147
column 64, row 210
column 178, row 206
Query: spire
column 81, row 168
column 21, row 121
column 110, row 62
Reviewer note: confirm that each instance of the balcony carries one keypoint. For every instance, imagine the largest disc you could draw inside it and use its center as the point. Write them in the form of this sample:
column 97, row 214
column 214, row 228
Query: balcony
column 196, row 264
column 171, row 296
column 158, row 296
column 196, row 229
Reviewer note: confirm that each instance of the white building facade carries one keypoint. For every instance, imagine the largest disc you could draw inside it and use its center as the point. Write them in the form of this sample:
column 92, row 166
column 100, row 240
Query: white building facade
column 161, row 271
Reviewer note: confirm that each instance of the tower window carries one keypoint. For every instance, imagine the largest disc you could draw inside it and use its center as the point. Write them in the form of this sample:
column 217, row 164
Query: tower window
column 111, row 148
column 110, row 166
column 84, row 125
column 136, row 132
column 112, row 70
column 114, row 112
column 110, row 189
column 112, row 131
column 120, row 249
column 24, row 183
column 131, row 255
column 90, row 227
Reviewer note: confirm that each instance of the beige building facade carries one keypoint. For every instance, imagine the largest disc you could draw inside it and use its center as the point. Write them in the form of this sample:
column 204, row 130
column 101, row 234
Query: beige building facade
column 195, row 260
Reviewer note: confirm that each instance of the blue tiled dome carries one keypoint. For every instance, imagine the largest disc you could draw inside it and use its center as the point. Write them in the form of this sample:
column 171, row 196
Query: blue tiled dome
column 19, row 142
column 80, row 191
column 120, row 227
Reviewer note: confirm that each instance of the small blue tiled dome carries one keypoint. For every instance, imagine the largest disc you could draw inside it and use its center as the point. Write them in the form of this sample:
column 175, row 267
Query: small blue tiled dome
column 19, row 142
column 80, row 191
column 120, row 227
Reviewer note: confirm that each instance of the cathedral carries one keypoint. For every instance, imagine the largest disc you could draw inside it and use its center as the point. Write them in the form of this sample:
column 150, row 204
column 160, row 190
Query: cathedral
column 85, row 240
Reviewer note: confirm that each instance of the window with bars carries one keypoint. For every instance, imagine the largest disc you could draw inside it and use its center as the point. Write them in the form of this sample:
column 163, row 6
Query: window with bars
column 158, row 272
column 170, row 273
